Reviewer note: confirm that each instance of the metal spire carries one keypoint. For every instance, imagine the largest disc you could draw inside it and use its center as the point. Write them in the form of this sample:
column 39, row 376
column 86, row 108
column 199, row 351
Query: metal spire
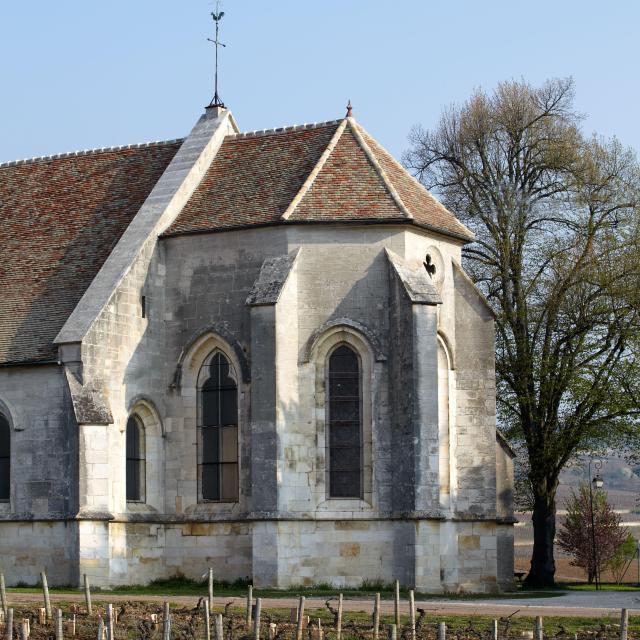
column 217, row 16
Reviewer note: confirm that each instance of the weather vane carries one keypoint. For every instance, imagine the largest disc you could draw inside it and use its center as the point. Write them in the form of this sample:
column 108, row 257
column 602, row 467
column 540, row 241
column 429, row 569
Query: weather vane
column 217, row 16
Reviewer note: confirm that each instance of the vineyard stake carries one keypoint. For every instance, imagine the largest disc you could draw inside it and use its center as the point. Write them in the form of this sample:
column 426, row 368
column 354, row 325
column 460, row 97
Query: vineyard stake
column 59, row 631
column 24, row 628
column 166, row 623
column 207, row 622
column 45, row 591
column 392, row 632
column 210, row 589
column 339, row 625
column 3, row 595
column 412, row 614
column 300, row 616
column 539, row 635
column 87, row 594
column 219, row 628
column 494, row 630
column 256, row 619
column 100, row 628
column 249, row 605
column 624, row 624
column 376, row 617
column 9, row 623
column 109, row 623
column 397, row 604
column 442, row 631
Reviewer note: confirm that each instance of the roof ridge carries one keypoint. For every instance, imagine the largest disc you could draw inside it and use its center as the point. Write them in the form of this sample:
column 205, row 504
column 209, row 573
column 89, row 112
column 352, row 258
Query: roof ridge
column 306, row 185
column 86, row 152
column 413, row 178
column 296, row 127
column 395, row 196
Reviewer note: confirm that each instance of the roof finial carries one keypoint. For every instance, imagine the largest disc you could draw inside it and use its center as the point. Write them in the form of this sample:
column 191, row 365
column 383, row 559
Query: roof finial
column 217, row 16
column 349, row 110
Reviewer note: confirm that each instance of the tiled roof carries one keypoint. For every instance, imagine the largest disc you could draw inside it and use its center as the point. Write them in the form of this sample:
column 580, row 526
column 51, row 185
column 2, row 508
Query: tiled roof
column 253, row 178
column 315, row 173
column 60, row 217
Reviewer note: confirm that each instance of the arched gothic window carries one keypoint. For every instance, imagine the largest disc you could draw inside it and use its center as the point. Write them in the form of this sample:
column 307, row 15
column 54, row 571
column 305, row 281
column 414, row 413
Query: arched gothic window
column 345, row 424
column 136, row 463
column 5, row 459
column 218, row 430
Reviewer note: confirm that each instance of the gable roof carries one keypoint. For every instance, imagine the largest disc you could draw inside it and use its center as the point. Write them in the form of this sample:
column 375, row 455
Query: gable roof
column 60, row 218
column 329, row 172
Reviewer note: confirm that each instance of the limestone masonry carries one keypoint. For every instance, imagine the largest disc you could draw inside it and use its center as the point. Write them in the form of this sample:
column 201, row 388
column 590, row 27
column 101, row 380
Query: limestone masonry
column 253, row 352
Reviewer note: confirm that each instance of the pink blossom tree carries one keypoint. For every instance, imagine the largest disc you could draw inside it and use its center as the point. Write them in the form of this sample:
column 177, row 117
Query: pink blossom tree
column 577, row 533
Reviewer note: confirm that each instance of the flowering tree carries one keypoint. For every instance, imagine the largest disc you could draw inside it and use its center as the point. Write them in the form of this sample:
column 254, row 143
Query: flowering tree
column 577, row 534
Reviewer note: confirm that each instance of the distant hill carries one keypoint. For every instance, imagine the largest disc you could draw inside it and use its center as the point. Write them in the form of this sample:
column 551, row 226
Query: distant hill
column 621, row 482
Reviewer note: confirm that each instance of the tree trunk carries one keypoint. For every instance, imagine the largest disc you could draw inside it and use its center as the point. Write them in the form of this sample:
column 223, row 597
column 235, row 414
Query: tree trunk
column 543, row 566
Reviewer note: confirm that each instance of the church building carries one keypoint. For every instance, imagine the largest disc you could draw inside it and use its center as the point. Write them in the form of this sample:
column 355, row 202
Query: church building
column 256, row 352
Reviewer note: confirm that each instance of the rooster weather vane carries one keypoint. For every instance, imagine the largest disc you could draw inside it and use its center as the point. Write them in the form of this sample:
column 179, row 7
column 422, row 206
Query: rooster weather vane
column 217, row 16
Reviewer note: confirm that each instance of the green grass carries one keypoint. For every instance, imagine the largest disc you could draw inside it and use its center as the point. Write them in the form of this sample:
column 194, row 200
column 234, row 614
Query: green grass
column 180, row 586
column 584, row 586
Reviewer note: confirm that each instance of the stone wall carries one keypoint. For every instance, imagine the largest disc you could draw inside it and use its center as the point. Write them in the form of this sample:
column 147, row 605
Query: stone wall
column 284, row 529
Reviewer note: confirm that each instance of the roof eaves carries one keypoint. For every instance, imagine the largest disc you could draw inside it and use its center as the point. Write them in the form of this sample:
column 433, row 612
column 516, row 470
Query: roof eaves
column 379, row 170
column 469, row 236
column 315, row 171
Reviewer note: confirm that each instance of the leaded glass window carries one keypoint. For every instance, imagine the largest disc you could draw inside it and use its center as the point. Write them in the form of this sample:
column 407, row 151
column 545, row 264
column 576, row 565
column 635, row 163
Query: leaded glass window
column 345, row 424
column 136, row 470
column 218, row 431
column 5, row 459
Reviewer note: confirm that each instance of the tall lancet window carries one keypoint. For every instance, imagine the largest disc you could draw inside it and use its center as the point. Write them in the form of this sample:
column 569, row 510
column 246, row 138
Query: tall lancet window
column 345, row 424
column 5, row 459
column 218, row 430
column 136, row 461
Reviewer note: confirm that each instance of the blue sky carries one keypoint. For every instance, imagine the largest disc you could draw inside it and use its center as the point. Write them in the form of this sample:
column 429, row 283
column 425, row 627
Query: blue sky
column 79, row 74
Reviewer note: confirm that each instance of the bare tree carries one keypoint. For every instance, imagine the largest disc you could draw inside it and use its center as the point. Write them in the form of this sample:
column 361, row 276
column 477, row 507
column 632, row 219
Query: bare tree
column 554, row 215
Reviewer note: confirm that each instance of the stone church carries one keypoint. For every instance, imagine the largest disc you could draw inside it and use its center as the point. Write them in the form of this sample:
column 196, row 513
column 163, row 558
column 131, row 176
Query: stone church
column 255, row 352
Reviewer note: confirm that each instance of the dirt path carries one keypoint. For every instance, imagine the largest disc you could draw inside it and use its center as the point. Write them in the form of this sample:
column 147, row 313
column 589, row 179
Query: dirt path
column 524, row 607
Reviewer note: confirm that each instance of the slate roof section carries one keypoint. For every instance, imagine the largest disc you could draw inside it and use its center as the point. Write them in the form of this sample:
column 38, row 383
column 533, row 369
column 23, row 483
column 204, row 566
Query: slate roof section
column 60, row 217
column 330, row 172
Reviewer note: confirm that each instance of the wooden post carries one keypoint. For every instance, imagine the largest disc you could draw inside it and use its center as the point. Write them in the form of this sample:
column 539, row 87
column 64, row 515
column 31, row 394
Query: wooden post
column 109, row 622
column 59, row 630
column 166, row 623
column 539, row 634
column 392, row 632
column 210, row 589
column 9, row 624
column 87, row 594
column 3, row 595
column 219, row 628
column 249, row 605
column 339, row 625
column 207, row 621
column 256, row 619
column 45, row 591
column 24, row 630
column 376, row 617
column 397, row 604
column 442, row 631
column 412, row 614
column 42, row 616
column 624, row 624
column 494, row 630
column 100, row 628
column 273, row 630
column 301, row 615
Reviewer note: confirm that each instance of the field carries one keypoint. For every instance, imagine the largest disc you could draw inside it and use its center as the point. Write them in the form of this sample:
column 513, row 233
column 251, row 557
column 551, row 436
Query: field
column 144, row 620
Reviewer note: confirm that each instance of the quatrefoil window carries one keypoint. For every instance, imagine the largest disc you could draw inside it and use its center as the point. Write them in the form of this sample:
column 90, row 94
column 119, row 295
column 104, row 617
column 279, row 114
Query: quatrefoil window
column 429, row 266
